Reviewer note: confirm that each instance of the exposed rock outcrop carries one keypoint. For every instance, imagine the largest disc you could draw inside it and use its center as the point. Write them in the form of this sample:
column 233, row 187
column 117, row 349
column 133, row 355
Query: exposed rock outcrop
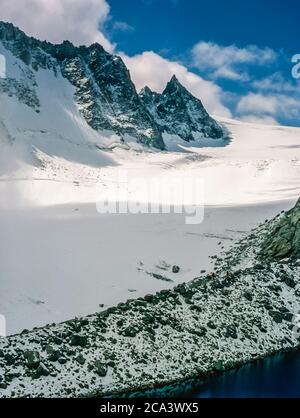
column 178, row 112
column 284, row 238
column 104, row 93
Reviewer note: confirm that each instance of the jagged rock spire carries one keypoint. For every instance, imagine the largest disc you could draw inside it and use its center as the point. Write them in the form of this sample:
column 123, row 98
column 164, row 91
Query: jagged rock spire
column 178, row 112
column 106, row 96
column 104, row 92
column 173, row 86
column 146, row 91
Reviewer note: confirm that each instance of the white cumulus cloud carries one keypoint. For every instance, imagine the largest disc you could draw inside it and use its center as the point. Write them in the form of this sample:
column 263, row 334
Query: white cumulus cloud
column 57, row 20
column 122, row 26
column 277, row 83
column 275, row 105
column 229, row 61
column 262, row 120
column 258, row 103
column 152, row 70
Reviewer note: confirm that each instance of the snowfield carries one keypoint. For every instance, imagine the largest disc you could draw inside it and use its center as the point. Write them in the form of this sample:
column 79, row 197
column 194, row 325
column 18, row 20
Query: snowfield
column 66, row 261
column 55, row 243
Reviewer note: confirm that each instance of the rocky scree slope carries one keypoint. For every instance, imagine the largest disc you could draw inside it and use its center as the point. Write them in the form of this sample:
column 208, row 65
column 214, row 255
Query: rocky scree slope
column 104, row 92
column 242, row 312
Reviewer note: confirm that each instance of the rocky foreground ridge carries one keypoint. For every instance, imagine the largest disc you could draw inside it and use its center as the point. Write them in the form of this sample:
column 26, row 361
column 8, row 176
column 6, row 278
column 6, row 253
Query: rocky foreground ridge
column 242, row 312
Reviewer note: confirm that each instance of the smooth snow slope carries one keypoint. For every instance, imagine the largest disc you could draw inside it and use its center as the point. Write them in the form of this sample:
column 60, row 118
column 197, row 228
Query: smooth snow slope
column 260, row 164
column 61, row 261
column 55, row 126
column 66, row 261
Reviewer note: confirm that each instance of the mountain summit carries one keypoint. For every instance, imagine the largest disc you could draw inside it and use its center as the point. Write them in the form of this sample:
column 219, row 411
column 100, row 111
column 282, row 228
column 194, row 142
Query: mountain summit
column 178, row 112
column 103, row 91
column 70, row 90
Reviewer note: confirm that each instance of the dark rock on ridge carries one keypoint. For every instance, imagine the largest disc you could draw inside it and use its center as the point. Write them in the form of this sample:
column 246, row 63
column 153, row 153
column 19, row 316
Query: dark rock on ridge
column 104, row 92
column 177, row 111
column 284, row 238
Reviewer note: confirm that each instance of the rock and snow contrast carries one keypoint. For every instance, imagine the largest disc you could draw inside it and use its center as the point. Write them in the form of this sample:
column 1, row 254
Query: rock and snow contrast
column 241, row 312
column 177, row 112
column 70, row 120
column 284, row 240
column 88, row 95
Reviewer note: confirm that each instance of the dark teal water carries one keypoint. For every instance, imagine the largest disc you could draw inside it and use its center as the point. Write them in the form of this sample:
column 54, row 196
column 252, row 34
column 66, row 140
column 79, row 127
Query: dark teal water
column 274, row 377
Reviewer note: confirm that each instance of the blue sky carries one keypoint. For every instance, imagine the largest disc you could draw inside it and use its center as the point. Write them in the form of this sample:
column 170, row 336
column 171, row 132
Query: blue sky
column 176, row 25
column 172, row 28
column 235, row 55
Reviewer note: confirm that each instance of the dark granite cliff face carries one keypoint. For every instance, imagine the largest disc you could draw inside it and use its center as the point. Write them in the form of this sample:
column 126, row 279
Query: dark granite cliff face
column 104, row 92
column 177, row 111
column 284, row 239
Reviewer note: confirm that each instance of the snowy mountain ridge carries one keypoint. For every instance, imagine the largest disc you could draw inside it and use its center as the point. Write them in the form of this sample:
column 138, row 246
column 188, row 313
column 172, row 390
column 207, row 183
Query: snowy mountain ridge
column 99, row 93
column 178, row 112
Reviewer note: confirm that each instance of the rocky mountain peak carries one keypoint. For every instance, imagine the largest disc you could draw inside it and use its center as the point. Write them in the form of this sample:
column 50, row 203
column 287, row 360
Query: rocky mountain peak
column 10, row 32
column 174, row 80
column 104, row 92
column 178, row 112
column 146, row 91
column 174, row 86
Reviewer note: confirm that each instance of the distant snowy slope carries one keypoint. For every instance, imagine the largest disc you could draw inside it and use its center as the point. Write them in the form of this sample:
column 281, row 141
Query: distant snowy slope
column 52, row 114
column 63, row 107
column 260, row 164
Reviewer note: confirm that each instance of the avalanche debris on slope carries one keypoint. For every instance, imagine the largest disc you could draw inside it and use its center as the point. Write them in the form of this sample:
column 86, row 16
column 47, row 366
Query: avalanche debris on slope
column 242, row 312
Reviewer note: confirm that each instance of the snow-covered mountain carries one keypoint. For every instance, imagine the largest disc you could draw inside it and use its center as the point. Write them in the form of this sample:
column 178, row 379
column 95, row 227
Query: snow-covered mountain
column 85, row 95
column 178, row 112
